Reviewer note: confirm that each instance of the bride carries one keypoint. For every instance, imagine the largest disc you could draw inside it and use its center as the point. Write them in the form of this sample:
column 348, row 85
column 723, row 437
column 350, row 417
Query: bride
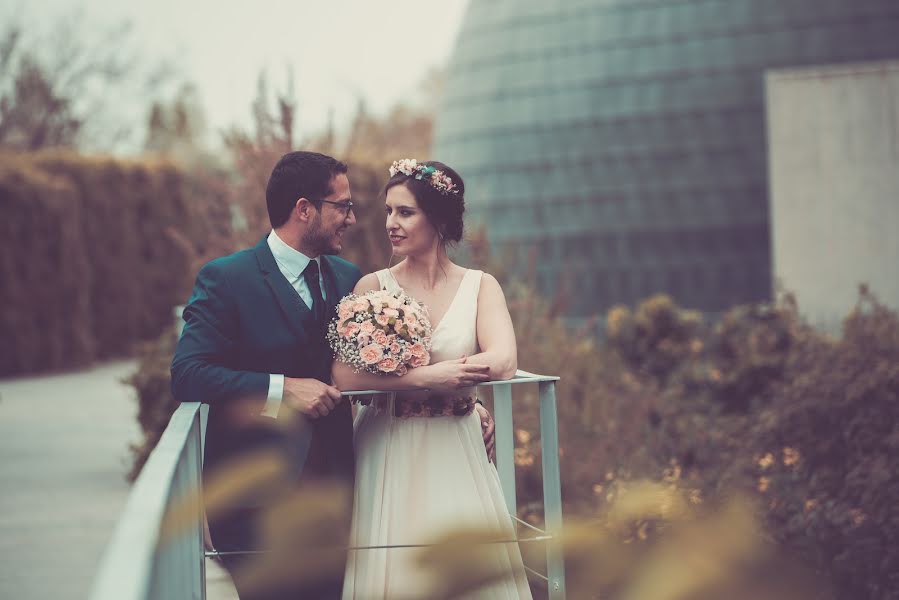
column 421, row 465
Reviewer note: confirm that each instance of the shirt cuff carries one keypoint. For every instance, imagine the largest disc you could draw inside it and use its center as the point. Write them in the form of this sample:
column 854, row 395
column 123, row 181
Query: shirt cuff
column 275, row 393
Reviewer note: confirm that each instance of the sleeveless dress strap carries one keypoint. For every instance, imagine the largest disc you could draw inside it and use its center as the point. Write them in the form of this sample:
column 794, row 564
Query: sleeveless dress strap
column 472, row 283
column 386, row 280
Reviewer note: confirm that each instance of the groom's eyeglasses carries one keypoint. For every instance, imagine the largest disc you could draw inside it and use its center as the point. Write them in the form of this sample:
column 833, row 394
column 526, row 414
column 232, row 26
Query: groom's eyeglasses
column 346, row 206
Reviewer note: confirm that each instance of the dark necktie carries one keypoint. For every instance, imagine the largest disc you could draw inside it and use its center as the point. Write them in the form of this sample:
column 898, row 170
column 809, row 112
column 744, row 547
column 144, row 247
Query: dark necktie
column 310, row 273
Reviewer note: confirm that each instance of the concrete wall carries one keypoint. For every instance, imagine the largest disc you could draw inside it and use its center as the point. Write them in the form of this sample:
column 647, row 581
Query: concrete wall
column 833, row 135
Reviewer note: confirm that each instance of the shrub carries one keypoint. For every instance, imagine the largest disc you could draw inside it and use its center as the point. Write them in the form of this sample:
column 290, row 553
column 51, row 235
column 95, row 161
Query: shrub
column 47, row 321
column 89, row 268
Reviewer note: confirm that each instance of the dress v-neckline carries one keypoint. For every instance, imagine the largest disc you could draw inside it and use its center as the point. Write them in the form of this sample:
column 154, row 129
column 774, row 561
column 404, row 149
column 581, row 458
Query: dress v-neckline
column 449, row 309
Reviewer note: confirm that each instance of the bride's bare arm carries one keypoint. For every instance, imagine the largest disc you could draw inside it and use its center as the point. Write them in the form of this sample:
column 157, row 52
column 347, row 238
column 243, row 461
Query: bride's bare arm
column 496, row 336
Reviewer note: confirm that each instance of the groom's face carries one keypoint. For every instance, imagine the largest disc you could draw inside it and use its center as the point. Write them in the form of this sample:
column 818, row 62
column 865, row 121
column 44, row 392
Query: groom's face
column 325, row 233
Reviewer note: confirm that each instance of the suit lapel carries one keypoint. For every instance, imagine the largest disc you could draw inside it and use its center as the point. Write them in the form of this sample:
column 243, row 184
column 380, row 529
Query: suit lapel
column 295, row 310
column 331, row 289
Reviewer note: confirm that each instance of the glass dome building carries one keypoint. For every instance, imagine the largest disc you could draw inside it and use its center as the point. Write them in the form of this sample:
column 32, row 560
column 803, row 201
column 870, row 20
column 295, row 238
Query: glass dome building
column 621, row 143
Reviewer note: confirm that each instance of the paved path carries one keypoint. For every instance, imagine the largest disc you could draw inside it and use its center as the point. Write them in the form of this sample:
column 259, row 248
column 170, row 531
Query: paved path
column 63, row 456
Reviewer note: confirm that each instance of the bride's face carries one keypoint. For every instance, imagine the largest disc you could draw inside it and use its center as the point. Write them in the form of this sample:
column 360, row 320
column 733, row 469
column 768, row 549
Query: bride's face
column 408, row 227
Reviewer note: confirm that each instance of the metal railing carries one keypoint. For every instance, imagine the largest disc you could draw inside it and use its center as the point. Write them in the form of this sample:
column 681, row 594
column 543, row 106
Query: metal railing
column 138, row 565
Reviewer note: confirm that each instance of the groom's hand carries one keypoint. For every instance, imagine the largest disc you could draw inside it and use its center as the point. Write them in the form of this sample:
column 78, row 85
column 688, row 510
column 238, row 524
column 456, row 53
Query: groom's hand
column 310, row 397
column 488, row 430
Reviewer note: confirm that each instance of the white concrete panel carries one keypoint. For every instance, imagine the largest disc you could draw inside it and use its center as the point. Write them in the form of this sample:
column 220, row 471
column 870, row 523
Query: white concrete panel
column 833, row 136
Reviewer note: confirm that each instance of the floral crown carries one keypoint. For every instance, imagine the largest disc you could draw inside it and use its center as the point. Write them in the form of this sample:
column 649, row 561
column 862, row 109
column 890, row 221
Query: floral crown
column 437, row 179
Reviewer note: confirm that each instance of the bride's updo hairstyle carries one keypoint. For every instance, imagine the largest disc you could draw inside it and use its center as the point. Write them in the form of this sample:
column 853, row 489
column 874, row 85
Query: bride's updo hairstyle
column 442, row 202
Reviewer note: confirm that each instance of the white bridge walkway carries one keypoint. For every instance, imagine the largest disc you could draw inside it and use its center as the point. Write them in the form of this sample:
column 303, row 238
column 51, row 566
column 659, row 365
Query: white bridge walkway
column 63, row 457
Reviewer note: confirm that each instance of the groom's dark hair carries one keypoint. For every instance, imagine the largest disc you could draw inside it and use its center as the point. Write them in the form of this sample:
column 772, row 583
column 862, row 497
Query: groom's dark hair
column 299, row 175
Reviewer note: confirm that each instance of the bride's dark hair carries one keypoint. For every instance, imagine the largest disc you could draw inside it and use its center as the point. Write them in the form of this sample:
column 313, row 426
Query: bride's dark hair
column 444, row 211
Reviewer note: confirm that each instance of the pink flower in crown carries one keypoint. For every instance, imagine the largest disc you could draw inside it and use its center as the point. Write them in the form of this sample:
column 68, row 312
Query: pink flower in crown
column 406, row 166
column 382, row 319
column 388, row 365
column 367, row 328
column 380, row 338
column 371, row 354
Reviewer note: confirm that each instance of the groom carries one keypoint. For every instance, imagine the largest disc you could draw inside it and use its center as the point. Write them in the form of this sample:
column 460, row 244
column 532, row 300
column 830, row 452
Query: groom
column 254, row 344
column 253, row 348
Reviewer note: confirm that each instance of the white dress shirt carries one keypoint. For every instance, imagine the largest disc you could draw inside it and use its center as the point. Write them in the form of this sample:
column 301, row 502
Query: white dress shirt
column 291, row 263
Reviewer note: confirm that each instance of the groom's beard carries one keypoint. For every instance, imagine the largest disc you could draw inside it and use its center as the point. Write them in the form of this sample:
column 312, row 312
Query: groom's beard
column 319, row 240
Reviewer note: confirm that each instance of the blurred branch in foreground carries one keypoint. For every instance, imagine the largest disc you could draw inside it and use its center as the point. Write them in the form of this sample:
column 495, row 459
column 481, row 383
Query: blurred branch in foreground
column 651, row 542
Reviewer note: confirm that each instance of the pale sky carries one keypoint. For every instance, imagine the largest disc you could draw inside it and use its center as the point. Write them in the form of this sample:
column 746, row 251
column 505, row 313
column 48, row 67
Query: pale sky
column 339, row 49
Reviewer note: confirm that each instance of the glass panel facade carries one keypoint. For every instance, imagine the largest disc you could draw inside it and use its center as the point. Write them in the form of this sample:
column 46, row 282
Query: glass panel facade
column 632, row 132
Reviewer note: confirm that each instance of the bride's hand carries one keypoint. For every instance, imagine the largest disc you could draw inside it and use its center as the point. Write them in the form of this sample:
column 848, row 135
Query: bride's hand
column 451, row 375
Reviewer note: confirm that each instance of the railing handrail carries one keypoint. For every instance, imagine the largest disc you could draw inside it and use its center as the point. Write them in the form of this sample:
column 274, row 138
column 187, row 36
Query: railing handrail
column 137, row 533
column 136, row 567
column 520, row 377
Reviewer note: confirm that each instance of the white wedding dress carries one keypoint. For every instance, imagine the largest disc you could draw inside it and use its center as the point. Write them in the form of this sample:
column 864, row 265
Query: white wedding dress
column 420, row 477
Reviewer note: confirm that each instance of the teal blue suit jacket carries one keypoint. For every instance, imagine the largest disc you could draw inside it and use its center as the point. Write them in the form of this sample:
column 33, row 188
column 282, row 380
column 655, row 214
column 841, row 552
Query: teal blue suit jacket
column 244, row 321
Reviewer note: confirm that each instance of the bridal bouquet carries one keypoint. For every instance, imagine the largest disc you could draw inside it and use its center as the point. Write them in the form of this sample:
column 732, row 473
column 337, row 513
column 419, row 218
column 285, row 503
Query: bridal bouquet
column 381, row 332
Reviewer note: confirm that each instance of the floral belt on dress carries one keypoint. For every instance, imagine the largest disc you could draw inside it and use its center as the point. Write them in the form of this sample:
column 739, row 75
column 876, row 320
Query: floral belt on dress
column 434, row 405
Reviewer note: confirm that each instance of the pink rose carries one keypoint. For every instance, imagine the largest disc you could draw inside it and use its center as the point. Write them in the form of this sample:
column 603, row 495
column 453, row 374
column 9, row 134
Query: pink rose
column 407, row 355
column 398, row 326
column 391, row 312
column 382, row 319
column 345, row 312
column 361, row 304
column 401, row 370
column 351, row 329
column 418, row 361
column 368, row 328
column 393, row 303
column 410, row 321
column 395, row 348
column 418, row 350
column 363, row 340
column 371, row 354
column 388, row 365
column 380, row 338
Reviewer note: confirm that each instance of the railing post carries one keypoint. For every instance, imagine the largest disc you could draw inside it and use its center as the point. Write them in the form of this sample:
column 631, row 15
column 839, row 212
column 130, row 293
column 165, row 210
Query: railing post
column 552, row 488
column 505, row 444
column 197, row 540
column 179, row 567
